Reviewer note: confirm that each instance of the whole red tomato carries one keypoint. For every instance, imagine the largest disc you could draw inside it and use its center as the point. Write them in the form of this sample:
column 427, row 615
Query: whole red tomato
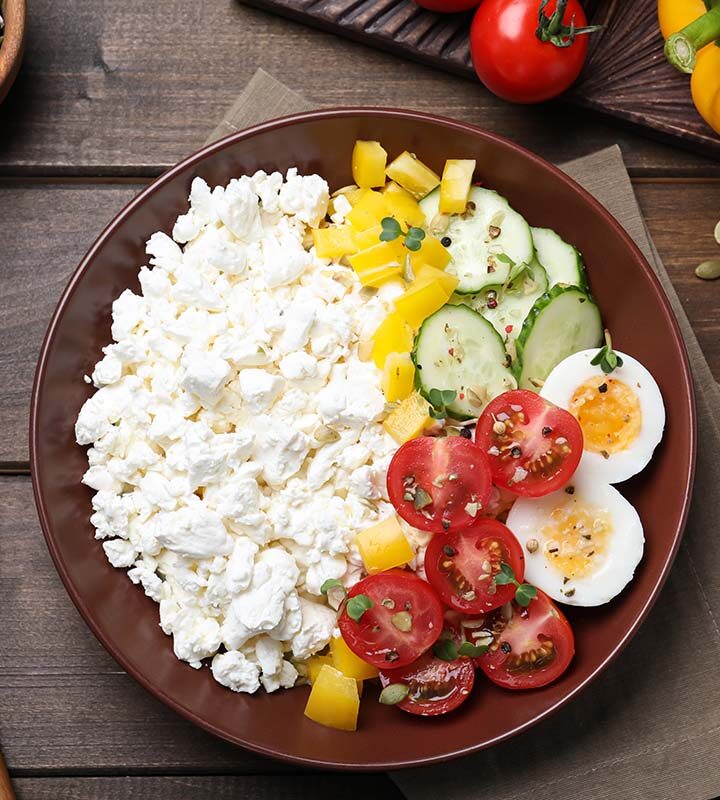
column 448, row 6
column 528, row 51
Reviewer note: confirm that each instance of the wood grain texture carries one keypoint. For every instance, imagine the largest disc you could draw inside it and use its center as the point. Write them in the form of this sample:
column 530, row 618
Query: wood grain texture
column 128, row 88
column 261, row 787
column 681, row 217
column 626, row 75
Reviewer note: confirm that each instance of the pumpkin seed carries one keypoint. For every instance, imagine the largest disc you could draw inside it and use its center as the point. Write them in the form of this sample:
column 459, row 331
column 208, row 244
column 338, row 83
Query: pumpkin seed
column 708, row 270
column 394, row 693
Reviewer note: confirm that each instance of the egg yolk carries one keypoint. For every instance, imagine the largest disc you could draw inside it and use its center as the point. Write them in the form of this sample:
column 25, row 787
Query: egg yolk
column 576, row 538
column 609, row 414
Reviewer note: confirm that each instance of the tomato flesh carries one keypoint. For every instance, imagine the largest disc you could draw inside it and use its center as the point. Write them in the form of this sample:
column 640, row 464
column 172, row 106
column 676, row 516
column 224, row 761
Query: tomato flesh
column 435, row 686
column 513, row 62
column 533, row 446
column 530, row 647
column 462, row 566
column 405, row 620
column 439, row 483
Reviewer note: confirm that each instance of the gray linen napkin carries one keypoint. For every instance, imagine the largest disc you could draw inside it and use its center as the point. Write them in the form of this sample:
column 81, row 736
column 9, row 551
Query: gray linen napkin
column 649, row 727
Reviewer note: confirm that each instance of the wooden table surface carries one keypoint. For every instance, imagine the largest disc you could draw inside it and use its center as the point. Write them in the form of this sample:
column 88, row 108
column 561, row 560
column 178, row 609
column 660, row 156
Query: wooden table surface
column 110, row 95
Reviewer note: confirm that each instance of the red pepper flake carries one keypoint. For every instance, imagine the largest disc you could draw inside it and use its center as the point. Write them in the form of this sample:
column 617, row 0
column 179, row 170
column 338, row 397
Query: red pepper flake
column 462, row 395
column 508, row 328
column 451, row 351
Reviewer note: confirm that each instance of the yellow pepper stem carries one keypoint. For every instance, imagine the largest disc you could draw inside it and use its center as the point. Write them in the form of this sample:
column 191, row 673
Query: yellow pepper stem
column 681, row 48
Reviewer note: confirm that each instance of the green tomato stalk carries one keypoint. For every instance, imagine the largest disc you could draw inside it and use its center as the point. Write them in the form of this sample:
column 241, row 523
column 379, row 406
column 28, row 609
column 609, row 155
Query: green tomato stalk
column 681, row 48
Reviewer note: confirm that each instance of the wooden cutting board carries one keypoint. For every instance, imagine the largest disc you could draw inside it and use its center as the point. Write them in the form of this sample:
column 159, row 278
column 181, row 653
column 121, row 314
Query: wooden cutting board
column 626, row 75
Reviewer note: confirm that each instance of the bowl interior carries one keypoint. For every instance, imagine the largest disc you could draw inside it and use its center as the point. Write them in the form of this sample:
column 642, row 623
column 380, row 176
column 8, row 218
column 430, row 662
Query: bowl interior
column 126, row 621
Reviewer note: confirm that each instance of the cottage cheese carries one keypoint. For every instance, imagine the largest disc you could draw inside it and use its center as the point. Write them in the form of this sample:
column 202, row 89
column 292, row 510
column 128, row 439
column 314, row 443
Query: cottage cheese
column 236, row 437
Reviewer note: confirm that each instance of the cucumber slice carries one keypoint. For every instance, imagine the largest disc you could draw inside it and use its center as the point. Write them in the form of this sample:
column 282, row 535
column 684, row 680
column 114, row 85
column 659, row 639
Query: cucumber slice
column 513, row 302
column 457, row 348
column 473, row 249
column 562, row 322
column 563, row 262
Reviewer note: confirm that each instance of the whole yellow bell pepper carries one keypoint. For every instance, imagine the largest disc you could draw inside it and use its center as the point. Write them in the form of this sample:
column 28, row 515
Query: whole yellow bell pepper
column 673, row 15
column 705, row 86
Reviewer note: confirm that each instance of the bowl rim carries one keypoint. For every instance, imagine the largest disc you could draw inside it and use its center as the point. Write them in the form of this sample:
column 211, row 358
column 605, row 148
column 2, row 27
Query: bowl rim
column 13, row 46
column 687, row 390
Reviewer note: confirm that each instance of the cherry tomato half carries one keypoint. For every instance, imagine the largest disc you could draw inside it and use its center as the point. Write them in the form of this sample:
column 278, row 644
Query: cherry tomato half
column 439, row 483
column 448, row 6
column 434, row 686
column 530, row 649
column 405, row 620
column 513, row 61
column 461, row 566
column 533, row 446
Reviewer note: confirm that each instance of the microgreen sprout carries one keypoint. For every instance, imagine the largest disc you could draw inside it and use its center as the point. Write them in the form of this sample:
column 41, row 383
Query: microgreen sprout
column 391, row 230
column 357, row 606
column 524, row 592
column 439, row 399
column 606, row 357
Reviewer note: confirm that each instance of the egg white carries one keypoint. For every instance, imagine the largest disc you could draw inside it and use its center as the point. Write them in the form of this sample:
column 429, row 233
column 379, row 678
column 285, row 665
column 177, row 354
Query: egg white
column 573, row 371
column 623, row 549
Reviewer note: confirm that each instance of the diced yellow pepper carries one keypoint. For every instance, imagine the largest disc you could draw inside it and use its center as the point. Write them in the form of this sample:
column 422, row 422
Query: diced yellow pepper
column 409, row 419
column 431, row 252
column 403, row 206
column 425, row 273
column 334, row 700
column 314, row 665
column 366, row 238
column 384, row 546
column 368, row 164
column 369, row 210
column 334, row 242
column 348, row 663
column 455, row 186
column 393, row 335
column 378, row 276
column 352, row 195
column 398, row 377
column 420, row 301
column 381, row 255
column 414, row 176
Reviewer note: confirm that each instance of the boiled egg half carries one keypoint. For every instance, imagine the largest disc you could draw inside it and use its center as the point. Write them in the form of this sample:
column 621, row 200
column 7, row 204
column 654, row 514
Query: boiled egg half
column 582, row 543
column 622, row 414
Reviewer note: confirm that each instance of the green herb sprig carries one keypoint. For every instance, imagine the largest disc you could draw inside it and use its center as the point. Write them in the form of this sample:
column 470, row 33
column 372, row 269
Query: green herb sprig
column 439, row 399
column 447, row 650
column 606, row 357
column 391, row 230
column 524, row 592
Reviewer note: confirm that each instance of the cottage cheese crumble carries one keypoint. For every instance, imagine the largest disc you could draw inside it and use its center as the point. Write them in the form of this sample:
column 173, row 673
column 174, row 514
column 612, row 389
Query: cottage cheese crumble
column 235, row 439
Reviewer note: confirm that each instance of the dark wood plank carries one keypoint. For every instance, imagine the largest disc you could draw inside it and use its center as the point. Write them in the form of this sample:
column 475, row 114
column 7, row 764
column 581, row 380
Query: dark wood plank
column 113, row 88
column 35, row 268
column 261, row 787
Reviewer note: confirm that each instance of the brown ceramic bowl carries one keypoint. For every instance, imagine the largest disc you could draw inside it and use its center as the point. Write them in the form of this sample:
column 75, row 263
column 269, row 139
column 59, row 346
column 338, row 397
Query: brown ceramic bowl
column 13, row 45
column 126, row 621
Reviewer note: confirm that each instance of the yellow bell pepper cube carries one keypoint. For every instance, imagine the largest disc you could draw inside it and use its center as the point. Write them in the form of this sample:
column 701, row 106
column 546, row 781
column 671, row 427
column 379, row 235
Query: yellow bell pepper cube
column 393, row 335
column 378, row 264
column 384, row 546
column 314, row 665
column 403, row 206
column 369, row 160
column 414, row 176
column 334, row 700
column 420, row 301
column 431, row 252
column 369, row 210
column 409, row 419
column 348, row 663
column 425, row 273
column 455, row 185
column 366, row 238
column 334, row 242
column 398, row 378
